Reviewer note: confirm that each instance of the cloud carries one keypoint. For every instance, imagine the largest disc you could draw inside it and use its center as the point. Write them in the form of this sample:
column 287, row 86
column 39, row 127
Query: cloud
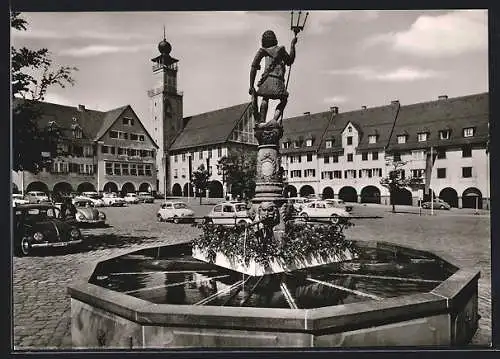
column 401, row 74
column 96, row 50
column 335, row 99
column 61, row 35
column 320, row 21
column 449, row 34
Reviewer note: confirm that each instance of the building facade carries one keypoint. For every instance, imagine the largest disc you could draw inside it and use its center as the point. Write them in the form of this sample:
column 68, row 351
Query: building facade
column 97, row 151
column 345, row 155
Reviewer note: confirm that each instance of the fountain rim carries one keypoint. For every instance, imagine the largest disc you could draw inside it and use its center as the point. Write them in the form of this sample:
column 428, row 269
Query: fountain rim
column 447, row 297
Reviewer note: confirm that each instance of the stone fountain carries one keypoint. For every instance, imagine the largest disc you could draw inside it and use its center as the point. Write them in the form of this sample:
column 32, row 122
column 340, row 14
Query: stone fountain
column 371, row 294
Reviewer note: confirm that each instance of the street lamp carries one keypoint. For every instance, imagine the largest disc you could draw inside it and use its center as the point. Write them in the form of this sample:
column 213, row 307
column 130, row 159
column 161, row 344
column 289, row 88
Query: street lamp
column 190, row 169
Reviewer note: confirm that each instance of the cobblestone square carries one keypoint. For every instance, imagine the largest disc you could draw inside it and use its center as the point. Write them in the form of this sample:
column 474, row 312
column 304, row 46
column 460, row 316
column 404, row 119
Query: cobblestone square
column 41, row 304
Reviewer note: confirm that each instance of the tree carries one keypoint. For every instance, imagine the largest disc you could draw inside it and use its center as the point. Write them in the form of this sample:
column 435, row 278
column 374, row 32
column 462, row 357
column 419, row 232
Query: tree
column 200, row 180
column 32, row 75
column 239, row 169
column 395, row 181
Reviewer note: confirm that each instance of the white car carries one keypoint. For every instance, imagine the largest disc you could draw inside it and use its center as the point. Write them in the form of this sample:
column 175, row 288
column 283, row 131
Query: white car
column 96, row 202
column 339, row 203
column 37, row 197
column 298, row 202
column 112, row 199
column 176, row 212
column 131, row 198
column 229, row 213
column 18, row 199
column 323, row 210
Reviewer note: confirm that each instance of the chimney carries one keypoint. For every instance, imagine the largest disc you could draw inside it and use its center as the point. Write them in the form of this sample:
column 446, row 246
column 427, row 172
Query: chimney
column 395, row 102
column 307, row 113
column 443, row 97
column 363, row 107
column 81, row 108
column 334, row 109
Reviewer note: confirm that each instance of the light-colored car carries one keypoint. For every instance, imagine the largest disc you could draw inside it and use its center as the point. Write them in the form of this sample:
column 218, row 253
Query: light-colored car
column 229, row 213
column 298, row 202
column 438, row 204
column 97, row 202
column 323, row 210
column 145, row 197
column 112, row 199
column 37, row 197
column 86, row 213
column 131, row 198
column 176, row 212
column 18, row 199
column 339, row 203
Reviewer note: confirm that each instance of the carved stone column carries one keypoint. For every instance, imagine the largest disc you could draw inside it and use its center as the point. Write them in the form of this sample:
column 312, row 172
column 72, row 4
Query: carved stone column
column 269, row 180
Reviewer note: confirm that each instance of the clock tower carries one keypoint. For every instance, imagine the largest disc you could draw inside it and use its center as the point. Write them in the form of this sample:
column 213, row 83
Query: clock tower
column 165, row 104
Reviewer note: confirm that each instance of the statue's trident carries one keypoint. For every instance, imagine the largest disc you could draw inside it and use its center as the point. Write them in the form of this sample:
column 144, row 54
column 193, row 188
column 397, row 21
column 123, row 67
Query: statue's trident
column 296, row 29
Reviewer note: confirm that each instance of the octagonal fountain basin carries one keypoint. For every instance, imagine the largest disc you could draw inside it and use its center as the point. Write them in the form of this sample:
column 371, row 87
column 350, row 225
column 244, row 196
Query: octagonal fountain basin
column 163, row 297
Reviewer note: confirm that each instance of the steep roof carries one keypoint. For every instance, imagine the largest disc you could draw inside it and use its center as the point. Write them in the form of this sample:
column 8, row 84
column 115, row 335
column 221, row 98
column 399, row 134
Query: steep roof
column 371, row 121
column 452, row 114
column 209, row 128
column 301, row 128
column 94, row 123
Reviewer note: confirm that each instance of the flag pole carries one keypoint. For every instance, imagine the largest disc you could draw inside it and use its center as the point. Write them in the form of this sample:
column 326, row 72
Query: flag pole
column 432, row 192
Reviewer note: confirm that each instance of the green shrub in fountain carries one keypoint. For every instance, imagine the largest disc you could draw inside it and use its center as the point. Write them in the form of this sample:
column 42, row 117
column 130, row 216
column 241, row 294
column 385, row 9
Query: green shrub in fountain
column 300, row 241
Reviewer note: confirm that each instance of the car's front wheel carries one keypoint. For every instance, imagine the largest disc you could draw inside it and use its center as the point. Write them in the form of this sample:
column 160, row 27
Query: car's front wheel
column 25, row 246
column 334, row 219
column 175, row 219
column 160, row 218
column 304, row 216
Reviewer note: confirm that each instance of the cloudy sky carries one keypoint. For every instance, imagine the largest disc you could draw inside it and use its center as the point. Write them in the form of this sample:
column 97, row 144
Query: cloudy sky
column 344, row 58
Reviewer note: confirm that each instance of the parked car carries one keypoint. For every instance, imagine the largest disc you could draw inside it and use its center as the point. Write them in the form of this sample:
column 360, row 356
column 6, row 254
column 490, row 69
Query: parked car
column 339, row 203
column 37, row 197
column 323, row 210
column 298, row 202
column 131, row 198
column 86, row 213
column 18, row 199
column 96, row 202
column 112, row 199
column 145, row 197
column 39, row 226
column 176, row 212
column 438, row 204
column 95, row 197
column 229, row 213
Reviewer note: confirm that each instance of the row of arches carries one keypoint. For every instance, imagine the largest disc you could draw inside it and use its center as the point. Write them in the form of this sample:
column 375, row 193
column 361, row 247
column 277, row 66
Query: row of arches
column 65, row 187
column 215, row 190
column 471, row 197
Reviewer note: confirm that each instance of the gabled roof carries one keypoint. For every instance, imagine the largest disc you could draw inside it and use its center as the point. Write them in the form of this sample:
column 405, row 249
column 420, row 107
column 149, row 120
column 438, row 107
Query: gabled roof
column 301, row 128
column 94, row 123
column 109, row 119
column 452, row 114
column 370, row 121
column 209, row 128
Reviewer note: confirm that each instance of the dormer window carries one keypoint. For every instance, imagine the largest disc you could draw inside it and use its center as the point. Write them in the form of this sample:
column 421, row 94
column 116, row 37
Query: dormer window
column 77, row 132
column 328, row 143
column 309, row 143
column 401, row 138
column 422, row 136
column 349, row 129
column 444, row 134
column 372, row 139
column 469, row 132
column 295, row 144
column 285, row 145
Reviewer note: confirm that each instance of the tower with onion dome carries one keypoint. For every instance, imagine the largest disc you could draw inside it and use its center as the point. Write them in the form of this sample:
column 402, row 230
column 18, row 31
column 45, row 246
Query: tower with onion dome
column 165, row 109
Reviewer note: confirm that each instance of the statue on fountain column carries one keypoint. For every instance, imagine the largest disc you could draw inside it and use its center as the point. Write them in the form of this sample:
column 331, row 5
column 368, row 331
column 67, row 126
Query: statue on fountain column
column 271, row 85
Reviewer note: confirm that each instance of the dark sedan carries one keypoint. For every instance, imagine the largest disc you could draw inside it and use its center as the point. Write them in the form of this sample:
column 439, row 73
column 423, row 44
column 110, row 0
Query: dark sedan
column 39, row 226
column 438, row 204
